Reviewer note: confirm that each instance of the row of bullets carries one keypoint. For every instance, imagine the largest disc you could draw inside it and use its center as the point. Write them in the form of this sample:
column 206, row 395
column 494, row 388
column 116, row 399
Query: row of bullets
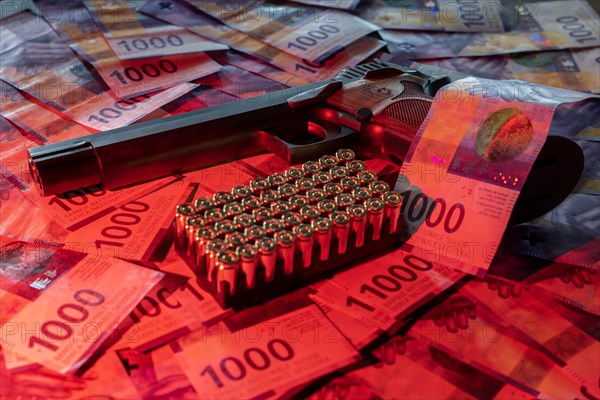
column 273, row 218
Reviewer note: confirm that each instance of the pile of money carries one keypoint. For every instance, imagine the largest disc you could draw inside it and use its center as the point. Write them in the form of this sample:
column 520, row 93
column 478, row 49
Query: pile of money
column 96, row 300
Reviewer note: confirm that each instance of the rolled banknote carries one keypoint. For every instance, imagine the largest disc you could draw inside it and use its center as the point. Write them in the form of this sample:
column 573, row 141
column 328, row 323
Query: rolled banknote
column 56, row 314
column 554, row 25
column 191, row 18
column 476, row 173
column 126, row 78
column 307, row 32
column 567, row 234
column 134, row 35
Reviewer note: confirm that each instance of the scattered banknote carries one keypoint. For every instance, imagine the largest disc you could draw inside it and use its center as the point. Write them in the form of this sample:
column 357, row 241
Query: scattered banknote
column 555, row 25
column 413, row 360
column 567, row 69
column 436, row 15
column 60, row 305
column 180, row 14
column 241, row 83
column 492, row 346
column 196, row 99
column 476, row 173
column 37, row 61
column 39, row 123
column 379, row 294
column 134, row 35
column 133, row 229
column 543, row 328
column 126, row 78
column 267, row 359
column 13, row 141
column 78, row 208
column 154, row 375
column 577, row 287
column 260, row 68
column 307, row 32
column 528, row 329
column 21, row 219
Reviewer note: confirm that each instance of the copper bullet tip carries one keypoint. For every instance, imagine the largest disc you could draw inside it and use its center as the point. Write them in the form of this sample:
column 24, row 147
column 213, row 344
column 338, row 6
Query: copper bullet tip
column 345, row 154
column 243, row 220
column 222, row 198
column 214, row 215
column 232, row 209
column 258, row 185
column 277, row 179
column 379, row 188
column 241, row 191
column 356, row 166
column 310, row 167
column 295, row 173
column 329, row 161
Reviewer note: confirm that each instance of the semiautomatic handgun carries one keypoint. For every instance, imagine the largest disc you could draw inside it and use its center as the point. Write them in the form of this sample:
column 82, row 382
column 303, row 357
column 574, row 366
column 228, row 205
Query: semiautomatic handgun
column 374, row 108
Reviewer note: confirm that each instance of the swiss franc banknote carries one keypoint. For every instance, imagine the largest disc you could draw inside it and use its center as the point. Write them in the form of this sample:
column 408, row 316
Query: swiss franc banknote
column 492, row 345
column 472, row 156
column 37, row 61
column 126, row 78
column 567, row 69
column 307, row 32
column 554, row 26
column 190, row 17
column 60, row 305
column 295, row 348
column 134, row 35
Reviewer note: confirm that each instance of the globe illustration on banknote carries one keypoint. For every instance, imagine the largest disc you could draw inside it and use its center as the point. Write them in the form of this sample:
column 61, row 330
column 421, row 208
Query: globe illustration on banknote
column 503, row 135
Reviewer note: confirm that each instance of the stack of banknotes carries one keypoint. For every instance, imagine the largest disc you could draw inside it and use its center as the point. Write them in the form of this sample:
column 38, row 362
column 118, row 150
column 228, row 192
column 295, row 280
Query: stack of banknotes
column 96, row 303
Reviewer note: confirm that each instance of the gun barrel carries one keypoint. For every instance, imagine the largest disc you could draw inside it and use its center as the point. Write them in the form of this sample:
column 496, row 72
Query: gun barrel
column 159, row 148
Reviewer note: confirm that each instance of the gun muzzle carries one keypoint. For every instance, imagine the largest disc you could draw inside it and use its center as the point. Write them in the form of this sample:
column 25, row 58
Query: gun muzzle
column 75, row 165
